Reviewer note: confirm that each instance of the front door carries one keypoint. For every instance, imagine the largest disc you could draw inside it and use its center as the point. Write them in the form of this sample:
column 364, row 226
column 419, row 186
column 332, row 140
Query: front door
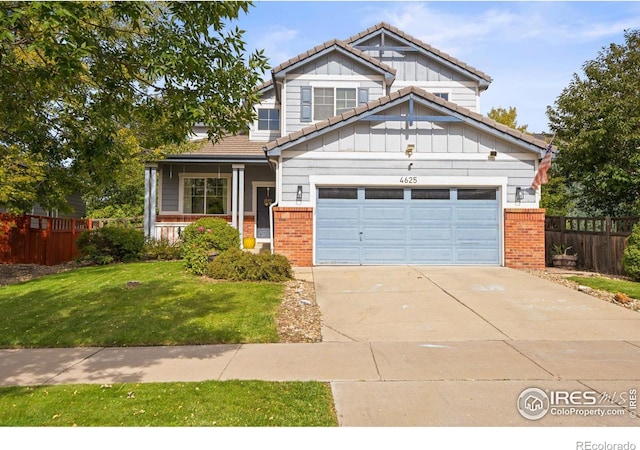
column 262, row 211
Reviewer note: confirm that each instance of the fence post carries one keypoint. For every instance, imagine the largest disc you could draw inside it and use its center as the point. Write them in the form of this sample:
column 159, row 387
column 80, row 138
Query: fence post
column 48, row 243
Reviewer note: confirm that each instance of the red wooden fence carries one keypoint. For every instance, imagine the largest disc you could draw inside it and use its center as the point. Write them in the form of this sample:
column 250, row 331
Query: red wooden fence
column 39, row 240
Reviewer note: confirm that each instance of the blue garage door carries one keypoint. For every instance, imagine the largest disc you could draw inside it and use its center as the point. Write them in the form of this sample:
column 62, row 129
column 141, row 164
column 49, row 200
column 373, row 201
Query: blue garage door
column 407, row 226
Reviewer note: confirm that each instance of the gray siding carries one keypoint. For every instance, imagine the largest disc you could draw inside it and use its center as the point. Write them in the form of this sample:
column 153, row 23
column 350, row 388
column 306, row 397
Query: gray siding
column 392, row 137
column 296, row 172
column 334, row 63
column 443, row 137
column 171, row 180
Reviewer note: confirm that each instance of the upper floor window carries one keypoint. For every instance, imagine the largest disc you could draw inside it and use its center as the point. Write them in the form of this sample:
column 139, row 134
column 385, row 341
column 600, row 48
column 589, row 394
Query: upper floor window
column 268, row 119
column 328, row 101
column 442, row 95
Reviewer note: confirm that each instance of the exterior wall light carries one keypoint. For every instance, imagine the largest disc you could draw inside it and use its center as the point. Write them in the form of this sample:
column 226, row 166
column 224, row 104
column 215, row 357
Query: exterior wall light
column 492, row 155
column 519, row 194
column 268, row 200
column 410, row 149
column 299, row 194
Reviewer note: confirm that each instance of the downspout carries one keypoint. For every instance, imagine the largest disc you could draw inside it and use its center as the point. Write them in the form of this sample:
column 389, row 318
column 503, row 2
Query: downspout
column 276, row 200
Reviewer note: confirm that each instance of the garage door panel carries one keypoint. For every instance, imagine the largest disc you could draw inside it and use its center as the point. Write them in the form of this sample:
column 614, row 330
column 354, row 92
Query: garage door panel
column 383, row 236
column 431, row 213
column 338, row 234
column 476, row 255
column 431, row 255
column 424, row 234
column 384, row 255
column 384, row 213
column 338, row 255
column 338, row 213
column 490, row 235
column 476, row 214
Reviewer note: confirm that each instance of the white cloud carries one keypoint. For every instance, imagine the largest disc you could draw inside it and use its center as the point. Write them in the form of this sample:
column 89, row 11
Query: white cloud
column 277, row 43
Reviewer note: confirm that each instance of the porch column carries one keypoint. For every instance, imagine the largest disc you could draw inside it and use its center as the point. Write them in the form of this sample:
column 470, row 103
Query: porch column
column 241, row 204
column 150, row 177
column 237, row 199
column 234, row 196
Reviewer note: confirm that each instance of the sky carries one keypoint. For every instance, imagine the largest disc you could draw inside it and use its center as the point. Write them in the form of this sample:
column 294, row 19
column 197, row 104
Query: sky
column 530, row 49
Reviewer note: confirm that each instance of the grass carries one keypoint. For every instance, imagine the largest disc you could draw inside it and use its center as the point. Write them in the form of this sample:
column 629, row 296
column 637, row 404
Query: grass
column 630, row 288
column 94, row 306
column 212, row 403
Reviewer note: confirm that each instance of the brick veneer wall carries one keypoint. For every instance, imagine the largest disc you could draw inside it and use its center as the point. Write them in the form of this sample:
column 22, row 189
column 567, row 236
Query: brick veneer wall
column 524, row 238
column 293, row 234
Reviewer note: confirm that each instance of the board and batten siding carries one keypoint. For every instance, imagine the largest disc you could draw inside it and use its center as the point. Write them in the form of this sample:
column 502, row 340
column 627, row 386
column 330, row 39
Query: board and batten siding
column 298, row 169
column 384, row 140
column 170, row 181
column 418, row 69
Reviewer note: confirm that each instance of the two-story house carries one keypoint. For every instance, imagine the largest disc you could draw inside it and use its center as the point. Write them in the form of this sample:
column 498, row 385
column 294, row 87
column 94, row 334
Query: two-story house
column 368, row 150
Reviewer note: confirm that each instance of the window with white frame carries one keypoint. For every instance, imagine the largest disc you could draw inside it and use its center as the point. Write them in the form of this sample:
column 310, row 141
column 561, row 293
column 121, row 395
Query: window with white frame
column 328, row 102
column 442, row 95
column 268, row 119
column 205, row 195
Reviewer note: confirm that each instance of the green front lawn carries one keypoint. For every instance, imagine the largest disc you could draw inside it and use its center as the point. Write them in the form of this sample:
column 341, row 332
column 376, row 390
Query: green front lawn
column 227, row 403
column 95, row 306
column 630, row 288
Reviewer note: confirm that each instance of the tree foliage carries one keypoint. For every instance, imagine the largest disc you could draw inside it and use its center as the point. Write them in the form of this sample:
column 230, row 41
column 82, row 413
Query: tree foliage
column 597, row 121
column 74, row 74
column 508, row 117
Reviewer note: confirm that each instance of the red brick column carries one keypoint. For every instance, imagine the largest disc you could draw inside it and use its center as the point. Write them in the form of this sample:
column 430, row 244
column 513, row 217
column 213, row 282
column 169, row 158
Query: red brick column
column 248, row 228
column 293, row 234
column 524, row 238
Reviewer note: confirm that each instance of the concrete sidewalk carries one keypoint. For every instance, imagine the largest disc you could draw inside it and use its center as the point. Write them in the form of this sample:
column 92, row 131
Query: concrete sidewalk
column 407, row 346
column 472, row 383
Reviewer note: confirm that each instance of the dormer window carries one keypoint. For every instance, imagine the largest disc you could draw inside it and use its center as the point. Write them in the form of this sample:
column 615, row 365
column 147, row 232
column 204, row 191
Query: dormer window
column 268, row 119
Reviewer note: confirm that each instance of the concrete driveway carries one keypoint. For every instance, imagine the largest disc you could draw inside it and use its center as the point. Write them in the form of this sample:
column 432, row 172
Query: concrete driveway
column 455, row 346
column 432, row 304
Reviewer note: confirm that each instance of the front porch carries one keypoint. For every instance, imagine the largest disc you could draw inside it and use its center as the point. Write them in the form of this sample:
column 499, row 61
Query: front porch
column 238, row 188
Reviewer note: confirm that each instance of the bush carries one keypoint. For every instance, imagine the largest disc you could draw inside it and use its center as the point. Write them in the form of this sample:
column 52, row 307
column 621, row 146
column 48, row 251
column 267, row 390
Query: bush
column 631, row 256
column 111, row 244
column 236, row 265
column 205, row 237
column 161, row 250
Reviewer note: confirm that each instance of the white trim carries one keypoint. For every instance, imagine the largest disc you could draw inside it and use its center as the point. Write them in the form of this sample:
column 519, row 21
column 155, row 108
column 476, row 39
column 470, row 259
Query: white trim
column 183, row 175
column 335, row 78
column 254, row 204
column 500, row 183
column 160, row 177
column 400, row 156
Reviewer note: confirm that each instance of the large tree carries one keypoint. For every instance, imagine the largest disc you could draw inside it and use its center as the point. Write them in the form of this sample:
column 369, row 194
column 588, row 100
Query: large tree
column 597, row 121
column 508, row 117
column 75, row 74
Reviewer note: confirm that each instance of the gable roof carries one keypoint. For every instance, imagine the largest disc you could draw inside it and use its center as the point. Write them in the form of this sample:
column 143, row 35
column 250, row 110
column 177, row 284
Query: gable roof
column 424, row 46
column 334, row 44
column 367, row 109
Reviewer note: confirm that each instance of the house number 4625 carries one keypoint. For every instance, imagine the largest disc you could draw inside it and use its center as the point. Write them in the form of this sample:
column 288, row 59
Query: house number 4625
column 409, row 180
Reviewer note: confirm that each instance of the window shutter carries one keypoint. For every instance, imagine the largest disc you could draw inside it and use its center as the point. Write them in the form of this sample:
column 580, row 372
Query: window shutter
column 363, row 96
column 305, row 104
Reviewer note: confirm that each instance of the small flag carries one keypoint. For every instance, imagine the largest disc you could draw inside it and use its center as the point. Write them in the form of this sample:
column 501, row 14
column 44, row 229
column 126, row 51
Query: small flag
column 543, row 168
